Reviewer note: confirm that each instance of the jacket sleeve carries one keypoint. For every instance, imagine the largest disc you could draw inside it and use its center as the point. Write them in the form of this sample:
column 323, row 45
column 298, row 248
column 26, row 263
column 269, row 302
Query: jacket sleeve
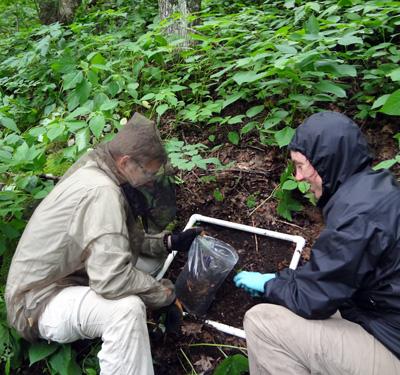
column 340, row 260
column 112, row 274
column 99, row 225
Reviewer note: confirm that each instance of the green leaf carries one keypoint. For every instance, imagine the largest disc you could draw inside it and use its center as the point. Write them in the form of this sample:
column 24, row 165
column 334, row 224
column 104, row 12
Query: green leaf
column 108, row 105
column 254, row 111
column 9, row 123
column 287, row 204
column 63, row 362
column 386, row 164
column 96, row 58
column 161, row 109
column 83, row 91
column 82, row 139
column 289, row 185
column 392, row 104
column 113, row 88
column 219, row 197
column 303, row 186
column 96, row 124
column 248, row 127
column 349, row 39
column 395, row 75
column 55, row 131
column 380, row 101
column 233, row 365
column 286, row 48
column 234, row 138
column 247, row 77
column 81, row 111
column 312, row 25
column 284, row 136
column 41, row 350
column 232, row 98
column 72, row 79
column 149, row 96
column 132, row 89
column 331, row 88
column 235, row 120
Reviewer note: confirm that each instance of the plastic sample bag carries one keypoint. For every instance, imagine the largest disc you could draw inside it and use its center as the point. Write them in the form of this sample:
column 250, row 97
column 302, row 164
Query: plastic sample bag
column 209, row 263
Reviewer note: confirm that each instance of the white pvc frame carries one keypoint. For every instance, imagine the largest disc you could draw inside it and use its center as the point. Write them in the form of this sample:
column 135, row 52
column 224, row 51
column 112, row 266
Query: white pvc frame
column 298, row 240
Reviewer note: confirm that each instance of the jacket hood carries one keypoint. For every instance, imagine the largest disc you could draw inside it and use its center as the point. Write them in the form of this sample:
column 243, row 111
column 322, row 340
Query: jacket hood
column 335, row 147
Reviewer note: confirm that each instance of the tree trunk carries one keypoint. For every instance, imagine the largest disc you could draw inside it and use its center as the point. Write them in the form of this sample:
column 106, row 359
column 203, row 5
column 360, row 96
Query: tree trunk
column 62, row 11
column 180, row 27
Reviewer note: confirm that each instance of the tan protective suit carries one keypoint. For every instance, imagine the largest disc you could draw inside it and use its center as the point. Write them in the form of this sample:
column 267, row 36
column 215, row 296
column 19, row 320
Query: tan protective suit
column 82, row 233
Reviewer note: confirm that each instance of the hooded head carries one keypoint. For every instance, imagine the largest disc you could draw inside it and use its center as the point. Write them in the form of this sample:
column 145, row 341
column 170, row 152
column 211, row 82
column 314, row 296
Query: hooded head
column 335, row 147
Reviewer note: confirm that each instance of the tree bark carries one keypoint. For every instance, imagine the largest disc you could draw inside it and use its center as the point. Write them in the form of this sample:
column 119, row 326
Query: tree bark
column 62, row 11
column 180, row 27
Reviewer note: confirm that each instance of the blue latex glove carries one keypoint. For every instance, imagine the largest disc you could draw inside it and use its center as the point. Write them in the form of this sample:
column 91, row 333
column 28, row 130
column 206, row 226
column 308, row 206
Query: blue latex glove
column 254, row 281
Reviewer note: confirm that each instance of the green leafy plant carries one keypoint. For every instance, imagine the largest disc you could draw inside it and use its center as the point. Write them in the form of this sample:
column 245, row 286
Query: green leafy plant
column 236, row 364
column 186, row 157
column 287, row 204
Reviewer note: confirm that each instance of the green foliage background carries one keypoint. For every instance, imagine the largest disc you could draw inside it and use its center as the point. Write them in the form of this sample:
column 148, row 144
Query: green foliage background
column 63, row 89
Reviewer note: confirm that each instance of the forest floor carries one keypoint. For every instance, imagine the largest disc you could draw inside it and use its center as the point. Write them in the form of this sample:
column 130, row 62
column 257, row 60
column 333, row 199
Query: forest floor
column 255, row 170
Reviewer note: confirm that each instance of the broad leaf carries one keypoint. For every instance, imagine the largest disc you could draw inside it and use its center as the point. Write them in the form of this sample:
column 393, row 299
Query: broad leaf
column 72, row 79
column 331, row 88
column 395, row 75
column 392, row 104
column 312, row 26
column 63, row 362
column 234, row 138
column 254, row 111
column 247, row 77
column 108, row 105
column 284, row 136
column 41, row 350
column 380, row 101
column 82, row 139
column 83, row 91
column 386, row 164
column 233, row 365
column 349, row 39
column 161, row 109
column 289, row 185
column 96, row 124
column 9, row 123
column 81, row 111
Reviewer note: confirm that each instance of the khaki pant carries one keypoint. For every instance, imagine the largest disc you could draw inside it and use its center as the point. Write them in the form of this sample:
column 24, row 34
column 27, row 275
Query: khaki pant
column 79, row 313
column 282, row 343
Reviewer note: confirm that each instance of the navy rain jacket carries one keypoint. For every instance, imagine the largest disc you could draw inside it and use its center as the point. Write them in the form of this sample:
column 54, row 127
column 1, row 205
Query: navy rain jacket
column 355, row 263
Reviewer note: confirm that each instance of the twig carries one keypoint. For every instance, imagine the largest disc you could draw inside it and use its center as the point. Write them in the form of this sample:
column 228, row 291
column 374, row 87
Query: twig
column 264, row 201
column 291, row 224
column 255, row 236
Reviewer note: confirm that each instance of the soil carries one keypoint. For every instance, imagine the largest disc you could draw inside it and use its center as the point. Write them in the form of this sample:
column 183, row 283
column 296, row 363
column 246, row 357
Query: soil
column 255, row 171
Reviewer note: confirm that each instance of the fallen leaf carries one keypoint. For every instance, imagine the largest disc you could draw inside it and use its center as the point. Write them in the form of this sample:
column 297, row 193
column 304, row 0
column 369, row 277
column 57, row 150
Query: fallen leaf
column 189, row 328
column 204, row 363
